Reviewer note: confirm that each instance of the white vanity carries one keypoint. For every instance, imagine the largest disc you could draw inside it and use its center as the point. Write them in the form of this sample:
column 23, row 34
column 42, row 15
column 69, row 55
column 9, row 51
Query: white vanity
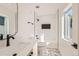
column 18, row 49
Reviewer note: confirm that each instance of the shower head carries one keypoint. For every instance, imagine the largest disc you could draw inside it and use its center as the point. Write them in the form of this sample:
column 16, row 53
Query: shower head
column 37, row 6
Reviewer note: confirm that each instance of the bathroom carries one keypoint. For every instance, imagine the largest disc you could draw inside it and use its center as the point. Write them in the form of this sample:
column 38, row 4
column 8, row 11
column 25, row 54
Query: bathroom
column 36, row 29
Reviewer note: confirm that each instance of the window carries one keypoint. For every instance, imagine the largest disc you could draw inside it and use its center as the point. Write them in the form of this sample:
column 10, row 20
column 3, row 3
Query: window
column 2, row 20
column 67, row 24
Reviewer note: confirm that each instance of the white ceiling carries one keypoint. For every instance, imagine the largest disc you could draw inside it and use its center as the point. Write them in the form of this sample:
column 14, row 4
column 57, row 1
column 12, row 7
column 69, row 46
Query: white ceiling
column 43, row 6
column 8, row 6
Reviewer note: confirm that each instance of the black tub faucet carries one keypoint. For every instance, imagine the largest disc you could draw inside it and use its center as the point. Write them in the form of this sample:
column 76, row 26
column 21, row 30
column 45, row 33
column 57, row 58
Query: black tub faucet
column 8, row 40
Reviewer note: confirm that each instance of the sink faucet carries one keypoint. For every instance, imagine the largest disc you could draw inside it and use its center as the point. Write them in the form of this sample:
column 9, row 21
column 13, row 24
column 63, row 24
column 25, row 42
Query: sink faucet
column 8, row 40
column 1, row 36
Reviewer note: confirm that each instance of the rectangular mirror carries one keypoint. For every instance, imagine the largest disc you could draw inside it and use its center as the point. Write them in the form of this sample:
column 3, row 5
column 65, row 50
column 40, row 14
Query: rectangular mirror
column 8, row 19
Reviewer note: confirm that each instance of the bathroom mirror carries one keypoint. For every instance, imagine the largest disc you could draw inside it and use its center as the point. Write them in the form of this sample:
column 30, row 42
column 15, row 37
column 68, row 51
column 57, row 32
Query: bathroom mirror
column 8, row 19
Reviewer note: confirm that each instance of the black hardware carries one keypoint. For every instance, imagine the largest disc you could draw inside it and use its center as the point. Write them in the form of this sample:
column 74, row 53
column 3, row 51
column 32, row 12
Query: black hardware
column 15, row 54
column 31, row 52
column 37, row 19
column 75, row 45
column 37, row 36
column 8, row 39
column 1, row 37
column 28, row 22
column 46, row 26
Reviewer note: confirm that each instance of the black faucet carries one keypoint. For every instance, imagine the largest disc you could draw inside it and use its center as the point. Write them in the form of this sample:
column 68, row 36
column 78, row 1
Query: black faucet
column 8, row 40
column 1, row 36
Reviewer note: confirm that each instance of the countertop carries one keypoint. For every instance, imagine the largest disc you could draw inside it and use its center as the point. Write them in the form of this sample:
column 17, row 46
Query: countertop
column 19, row 48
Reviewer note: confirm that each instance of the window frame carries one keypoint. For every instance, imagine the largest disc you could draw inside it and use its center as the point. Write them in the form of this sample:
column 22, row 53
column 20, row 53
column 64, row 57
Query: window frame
column 65, row 32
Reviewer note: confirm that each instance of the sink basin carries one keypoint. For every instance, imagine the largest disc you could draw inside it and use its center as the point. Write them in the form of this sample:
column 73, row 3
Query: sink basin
column 7, row 51
column 18, row 48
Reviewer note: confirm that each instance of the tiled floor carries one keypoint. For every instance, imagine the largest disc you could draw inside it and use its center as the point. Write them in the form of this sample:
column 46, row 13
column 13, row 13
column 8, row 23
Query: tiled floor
column 44, row 51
